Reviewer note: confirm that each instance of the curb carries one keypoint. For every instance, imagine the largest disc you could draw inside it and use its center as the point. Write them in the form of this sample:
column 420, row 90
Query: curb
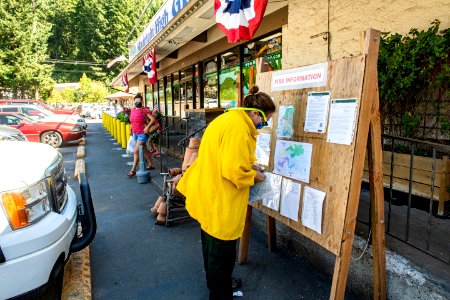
column 77, row 276
column 77, row 271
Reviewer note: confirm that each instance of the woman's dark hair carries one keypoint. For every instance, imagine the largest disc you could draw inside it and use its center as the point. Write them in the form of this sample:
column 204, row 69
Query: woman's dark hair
column 259, row 100
column 138, row 96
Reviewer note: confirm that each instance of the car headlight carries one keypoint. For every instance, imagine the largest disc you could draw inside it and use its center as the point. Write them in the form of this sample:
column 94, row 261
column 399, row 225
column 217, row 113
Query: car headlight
column 12, row 137
column 76, row 129
column 26, row 206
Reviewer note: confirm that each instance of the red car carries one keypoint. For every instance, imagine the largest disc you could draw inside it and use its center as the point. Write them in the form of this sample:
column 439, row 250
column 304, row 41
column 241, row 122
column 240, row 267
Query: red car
column 40, row 103
column 51, row 133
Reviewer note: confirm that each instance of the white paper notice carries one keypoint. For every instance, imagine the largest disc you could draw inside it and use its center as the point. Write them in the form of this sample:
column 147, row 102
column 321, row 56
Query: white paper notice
column 312, row 208
column 317, row 112
column 268, row 191
column 293, row 159
column 262, row 151
column 290, row 199
column 341, row 127
column 285, row 126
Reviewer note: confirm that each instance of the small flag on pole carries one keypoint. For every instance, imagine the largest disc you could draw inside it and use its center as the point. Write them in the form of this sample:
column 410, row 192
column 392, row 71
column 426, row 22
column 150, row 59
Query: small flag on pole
column 125, row 82
column 239, row 19
column 115, row 60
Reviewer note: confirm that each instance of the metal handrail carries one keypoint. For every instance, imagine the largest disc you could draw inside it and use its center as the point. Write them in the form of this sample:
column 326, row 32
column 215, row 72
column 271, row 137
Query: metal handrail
column 181, row 142
column 407, row 217
column 173, row 124
column 407, row 139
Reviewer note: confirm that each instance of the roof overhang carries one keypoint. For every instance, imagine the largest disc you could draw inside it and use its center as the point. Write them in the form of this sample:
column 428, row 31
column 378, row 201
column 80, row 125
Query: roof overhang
column 194, row 19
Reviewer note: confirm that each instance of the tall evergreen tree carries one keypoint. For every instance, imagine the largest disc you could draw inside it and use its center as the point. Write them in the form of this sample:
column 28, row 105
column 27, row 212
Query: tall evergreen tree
column 24, row 31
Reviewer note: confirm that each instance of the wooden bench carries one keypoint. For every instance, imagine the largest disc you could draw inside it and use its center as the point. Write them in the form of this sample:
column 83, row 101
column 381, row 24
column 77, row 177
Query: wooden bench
column 422, row 173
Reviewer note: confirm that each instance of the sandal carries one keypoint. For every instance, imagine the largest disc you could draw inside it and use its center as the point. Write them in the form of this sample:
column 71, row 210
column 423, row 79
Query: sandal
column 156, row 155
column 150, row 168
column 131, row 174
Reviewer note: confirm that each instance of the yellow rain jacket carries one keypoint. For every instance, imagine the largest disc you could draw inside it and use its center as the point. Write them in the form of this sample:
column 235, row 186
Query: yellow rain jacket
column 217, row 184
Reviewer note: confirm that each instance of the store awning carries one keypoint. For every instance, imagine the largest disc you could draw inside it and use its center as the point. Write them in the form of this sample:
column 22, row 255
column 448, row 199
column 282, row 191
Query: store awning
column 196, row 17
column 119, row 95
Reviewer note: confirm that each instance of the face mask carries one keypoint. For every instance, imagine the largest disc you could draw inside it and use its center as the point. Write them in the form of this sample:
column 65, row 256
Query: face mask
column 260, row 125
column 138, row 104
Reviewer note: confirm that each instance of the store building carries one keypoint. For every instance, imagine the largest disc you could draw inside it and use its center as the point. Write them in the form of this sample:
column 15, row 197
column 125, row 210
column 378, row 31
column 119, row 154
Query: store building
column 189, row 46
column 197, row 68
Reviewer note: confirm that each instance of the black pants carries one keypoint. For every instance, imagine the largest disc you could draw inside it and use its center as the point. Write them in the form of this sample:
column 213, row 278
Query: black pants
column 219, row 257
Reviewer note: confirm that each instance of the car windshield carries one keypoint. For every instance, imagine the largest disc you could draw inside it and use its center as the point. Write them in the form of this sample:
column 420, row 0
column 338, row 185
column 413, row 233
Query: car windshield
column 27, row 118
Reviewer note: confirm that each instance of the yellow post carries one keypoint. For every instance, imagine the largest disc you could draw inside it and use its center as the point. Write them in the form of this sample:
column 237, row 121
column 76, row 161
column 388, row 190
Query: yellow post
column 128, row 129
column 123, row 129
column 103, row 118
column 113, row 128
column 119, row 132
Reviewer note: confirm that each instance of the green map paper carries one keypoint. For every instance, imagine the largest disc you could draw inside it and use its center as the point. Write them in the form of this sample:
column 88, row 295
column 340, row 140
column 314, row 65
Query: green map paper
column 293, row 160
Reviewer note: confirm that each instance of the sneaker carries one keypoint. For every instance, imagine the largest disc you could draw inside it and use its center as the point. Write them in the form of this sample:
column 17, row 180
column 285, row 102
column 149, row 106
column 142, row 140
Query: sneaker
column 236, row 283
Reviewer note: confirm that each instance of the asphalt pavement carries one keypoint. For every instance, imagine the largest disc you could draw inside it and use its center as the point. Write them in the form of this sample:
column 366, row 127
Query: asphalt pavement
column 132, row 258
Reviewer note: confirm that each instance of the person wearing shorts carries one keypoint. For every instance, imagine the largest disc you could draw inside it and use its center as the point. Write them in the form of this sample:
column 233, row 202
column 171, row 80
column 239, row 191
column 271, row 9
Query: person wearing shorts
column 138, row 120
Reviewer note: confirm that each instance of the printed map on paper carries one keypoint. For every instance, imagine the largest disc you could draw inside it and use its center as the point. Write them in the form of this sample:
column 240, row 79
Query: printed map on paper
column 293, row 160
column 285, row 121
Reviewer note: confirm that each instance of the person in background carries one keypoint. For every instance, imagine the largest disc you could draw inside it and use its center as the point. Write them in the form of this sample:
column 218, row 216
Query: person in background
column 154, row 136
column 217, row 186
column 138, row 121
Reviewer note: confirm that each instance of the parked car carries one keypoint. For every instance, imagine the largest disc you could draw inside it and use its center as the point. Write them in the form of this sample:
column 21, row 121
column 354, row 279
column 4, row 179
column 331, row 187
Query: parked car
column 11, row 134
column 86, row 110
column 41, row 220
column 39, row 103
column 212, row 103
column 38, row 113
column 51, row 133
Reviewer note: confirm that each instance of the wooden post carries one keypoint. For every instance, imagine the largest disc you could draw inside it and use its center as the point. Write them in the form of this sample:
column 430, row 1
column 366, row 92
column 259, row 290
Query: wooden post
column 271, row 233
column 369, row 103
column 445, row 181
column 243, row 243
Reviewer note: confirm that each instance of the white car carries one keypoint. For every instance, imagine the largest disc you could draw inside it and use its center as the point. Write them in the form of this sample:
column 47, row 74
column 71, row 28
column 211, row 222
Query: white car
column 39, row 220
column 37, row 113
column 8, row 133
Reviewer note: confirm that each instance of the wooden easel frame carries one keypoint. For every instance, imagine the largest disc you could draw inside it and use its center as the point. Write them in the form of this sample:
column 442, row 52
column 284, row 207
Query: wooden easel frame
column 368, row 137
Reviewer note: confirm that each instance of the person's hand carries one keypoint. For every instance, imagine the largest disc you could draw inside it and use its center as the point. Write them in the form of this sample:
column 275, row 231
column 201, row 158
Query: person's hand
column 259, row 176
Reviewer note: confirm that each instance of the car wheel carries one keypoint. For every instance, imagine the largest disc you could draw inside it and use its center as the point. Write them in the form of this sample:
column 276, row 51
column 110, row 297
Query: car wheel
column 51, row 138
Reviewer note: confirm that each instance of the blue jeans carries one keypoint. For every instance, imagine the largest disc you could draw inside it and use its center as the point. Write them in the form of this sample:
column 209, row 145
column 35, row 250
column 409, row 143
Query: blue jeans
column 143, row 137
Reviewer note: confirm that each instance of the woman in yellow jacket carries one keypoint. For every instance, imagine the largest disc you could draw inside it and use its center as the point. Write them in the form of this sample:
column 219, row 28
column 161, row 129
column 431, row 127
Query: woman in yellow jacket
column 217, row 186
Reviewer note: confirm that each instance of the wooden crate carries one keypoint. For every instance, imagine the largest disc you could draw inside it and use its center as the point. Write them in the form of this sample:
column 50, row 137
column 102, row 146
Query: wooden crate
column 422, row 176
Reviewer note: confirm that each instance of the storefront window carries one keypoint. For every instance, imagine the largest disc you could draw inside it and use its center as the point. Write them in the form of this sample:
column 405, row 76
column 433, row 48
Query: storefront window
column 155, row 96
column 269, row 48
column 169, row 97
column 162, row 104
column 176, row 95
column 186, row 90
column 197, row 87
column 148, row 95
column 210, row 83
column 229, row 76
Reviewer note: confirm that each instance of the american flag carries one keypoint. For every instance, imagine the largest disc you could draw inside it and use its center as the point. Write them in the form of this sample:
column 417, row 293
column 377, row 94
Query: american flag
column 239, row 19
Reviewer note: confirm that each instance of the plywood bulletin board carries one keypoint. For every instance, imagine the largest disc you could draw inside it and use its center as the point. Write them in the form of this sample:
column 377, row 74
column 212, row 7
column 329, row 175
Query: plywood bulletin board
column 336, row 169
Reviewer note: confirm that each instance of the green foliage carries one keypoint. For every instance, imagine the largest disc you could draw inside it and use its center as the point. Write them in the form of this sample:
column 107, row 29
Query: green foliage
column 414, row 78
column 90, row 91
column 124, row 116
column 24, row 30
